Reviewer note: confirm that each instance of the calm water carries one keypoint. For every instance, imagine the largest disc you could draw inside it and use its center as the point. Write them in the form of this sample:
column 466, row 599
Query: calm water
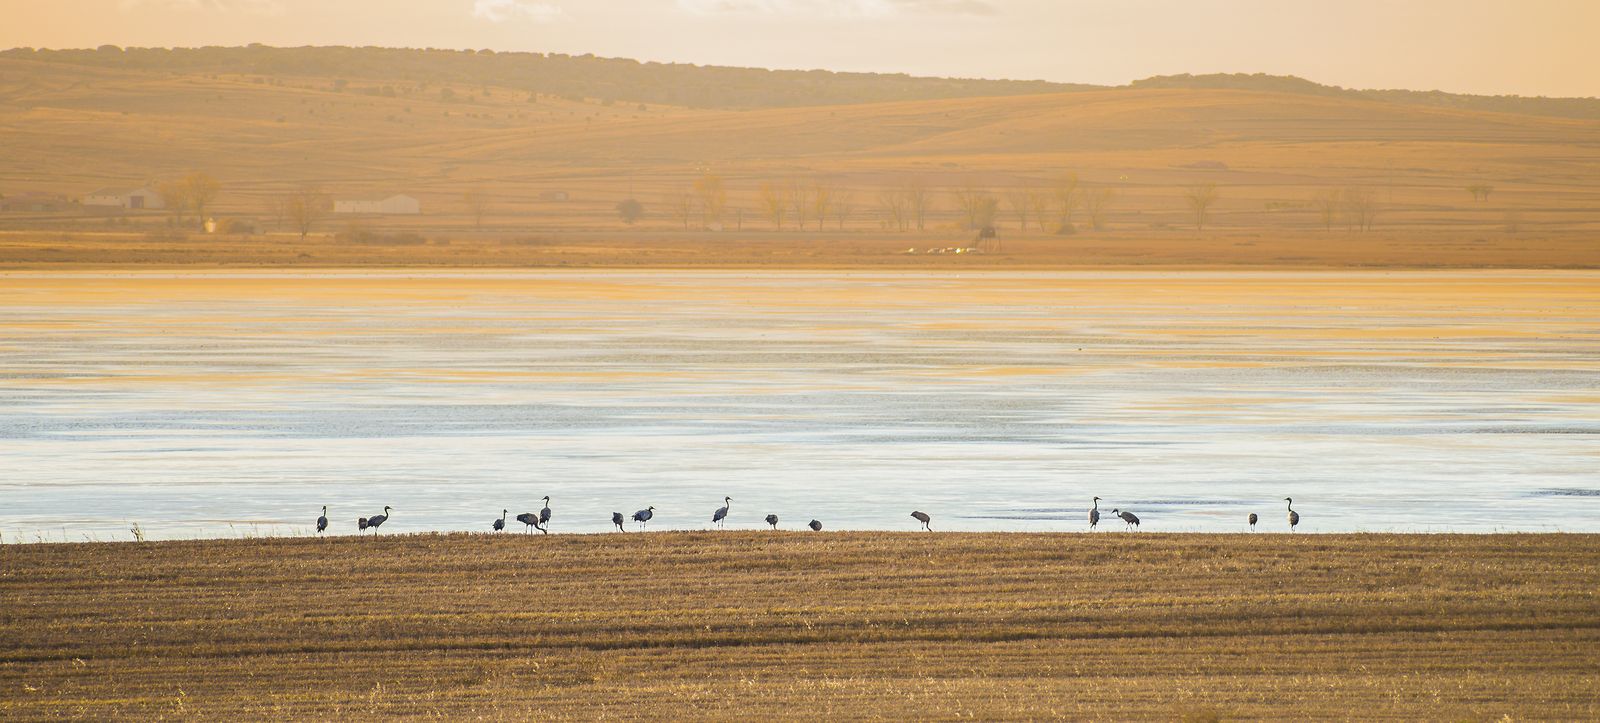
column 233, row 404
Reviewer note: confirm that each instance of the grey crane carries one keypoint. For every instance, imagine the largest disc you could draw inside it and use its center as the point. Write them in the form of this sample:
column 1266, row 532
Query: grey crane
column 616, row 519
column 722, row 512
column 1131, row 519
column 816, row 525
column 773, row 520
column 1253, row 519
column 374, row 520
column 927, row 522
column 544, row 514
column 1094, row 514
column 643, row 516
column 1294, row 517
column 500, row 524
column 322, row 522
column 531, row 519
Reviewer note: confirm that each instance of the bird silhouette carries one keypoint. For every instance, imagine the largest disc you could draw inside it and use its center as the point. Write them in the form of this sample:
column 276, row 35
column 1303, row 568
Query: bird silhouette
column 927, row 522
column 616, row 519
column 1294, row 517
column 500, row 524
column 643, row 516
column 722, row 512
column 1131, row 520
column 375, row 520
column 1094, row 514
column 531, row 519
column 1253, row 519
column 773, row 520
column 322, row 522
column 544, row 514
column 815, row 525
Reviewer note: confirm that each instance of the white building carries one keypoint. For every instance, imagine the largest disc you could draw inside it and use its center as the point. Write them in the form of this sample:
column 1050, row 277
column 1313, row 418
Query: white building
column 135, row 198
column 399, row 204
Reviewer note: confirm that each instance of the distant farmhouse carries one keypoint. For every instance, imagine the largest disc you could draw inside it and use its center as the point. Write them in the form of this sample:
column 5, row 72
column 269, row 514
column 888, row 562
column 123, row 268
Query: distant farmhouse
column 33, row 203
column 134, row 198
column 396, row 205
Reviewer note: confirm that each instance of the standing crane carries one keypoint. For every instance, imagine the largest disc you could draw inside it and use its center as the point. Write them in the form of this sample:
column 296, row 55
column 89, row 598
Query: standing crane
column 773, row 520
column 1094, row 514
column 1253, row 519
column 643, row 516
column 544, row 514
column 500, row 524
column 322, row 522
column 531, row 520
column 616, row 519
column 1131, row 520
column 927, row 522
column 722, row 512
column 1294, row 517
column 374, row 521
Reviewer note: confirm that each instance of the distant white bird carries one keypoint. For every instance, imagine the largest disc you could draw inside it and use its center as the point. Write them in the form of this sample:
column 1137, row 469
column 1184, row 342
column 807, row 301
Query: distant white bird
column 927, row 522
column 1131, row 519
column 1094, row 514
column 1294, row 517
column 643, row 516
column 722, row 512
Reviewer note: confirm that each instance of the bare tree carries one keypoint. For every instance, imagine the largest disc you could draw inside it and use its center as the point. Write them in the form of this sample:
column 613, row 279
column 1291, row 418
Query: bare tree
column 1021, row 201
column 894, row 205
column 977, row 206
column 822, row 198
column 1360, row 207
column 1096, row 204
column 1201, row 197
column 1328, row 204
column 844, row 203
column 799, row 195
column 175, row 194
column 1065, row 201
column 713, row 198
column 304, row 208
column 773, row 203
column 200, row 189
column 918, row 201
column 477, row 205
column 1043, row 199
column 682, row 205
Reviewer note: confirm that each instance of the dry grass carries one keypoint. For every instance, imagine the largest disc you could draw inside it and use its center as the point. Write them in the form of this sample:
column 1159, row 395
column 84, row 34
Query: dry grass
column 859, row 625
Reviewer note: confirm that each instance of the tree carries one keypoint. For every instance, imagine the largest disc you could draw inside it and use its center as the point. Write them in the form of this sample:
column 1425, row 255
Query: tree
column 1328, row 204
column 304, row 208
column 1097, row 203
column 682, row 205
column 1360, row 208
column 843, row 205
column 175, row 194
column 977, row 206
column 200, row 189
column 630, row 210
column 799, row 195
column 713, row 198
column 894, row 204
column 1021, row 202
column 1480, row 191
column 1042, row 199
column 822, row 197
column 477, row 205
column 918, row 201
column 1201, row 198
column 1065, row 192
column 772, row 203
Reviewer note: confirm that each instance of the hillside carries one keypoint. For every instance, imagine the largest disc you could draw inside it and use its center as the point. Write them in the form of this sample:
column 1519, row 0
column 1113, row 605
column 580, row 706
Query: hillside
column 557, row 167
column 789, row 624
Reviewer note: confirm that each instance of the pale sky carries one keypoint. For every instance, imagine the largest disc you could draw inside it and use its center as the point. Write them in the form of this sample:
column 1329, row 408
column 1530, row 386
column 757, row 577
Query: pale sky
column 1527, row 47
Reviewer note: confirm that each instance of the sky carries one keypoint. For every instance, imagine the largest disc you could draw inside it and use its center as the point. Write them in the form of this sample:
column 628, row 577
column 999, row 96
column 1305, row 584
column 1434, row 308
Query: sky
column 1526, row 47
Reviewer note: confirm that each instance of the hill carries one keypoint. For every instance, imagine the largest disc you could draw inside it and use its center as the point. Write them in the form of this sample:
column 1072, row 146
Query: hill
column 787, row 624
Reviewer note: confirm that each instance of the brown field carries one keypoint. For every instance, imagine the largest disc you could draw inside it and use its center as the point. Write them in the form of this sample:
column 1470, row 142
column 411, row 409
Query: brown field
column 857, row 625
column 71, row 129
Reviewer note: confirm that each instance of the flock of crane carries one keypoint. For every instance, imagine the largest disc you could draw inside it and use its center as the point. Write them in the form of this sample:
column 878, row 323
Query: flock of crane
column 537, row 520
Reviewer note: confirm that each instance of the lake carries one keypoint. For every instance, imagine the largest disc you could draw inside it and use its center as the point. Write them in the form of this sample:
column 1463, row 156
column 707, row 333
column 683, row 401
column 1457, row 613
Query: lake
column 237, row 403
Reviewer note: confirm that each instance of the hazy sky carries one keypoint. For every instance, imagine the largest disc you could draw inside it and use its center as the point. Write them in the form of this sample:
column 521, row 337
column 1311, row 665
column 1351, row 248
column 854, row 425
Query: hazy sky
column 1530, row 47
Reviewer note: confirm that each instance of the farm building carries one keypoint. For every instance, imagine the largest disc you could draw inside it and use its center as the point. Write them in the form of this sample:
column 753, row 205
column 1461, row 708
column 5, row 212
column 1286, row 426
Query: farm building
column 33, row 203
column 398, row 204
column 134, row 198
